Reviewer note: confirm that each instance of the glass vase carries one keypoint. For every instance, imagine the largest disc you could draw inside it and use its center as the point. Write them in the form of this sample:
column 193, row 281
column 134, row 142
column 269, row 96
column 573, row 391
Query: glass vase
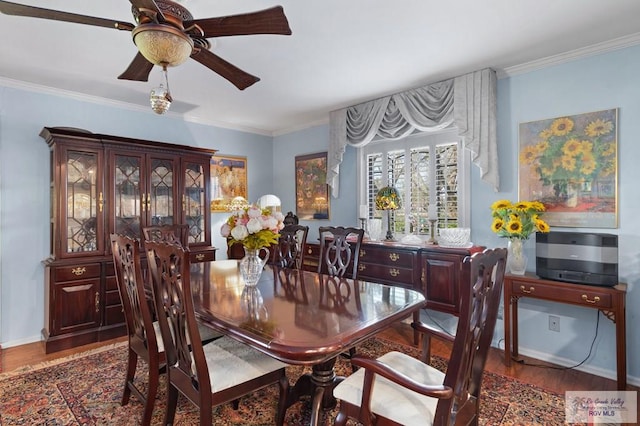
column 251, row 266
column 516, row 259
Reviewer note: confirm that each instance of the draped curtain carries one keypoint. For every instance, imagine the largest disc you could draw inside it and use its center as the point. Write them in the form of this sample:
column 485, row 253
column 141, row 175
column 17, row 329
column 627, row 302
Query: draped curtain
column 467, row 102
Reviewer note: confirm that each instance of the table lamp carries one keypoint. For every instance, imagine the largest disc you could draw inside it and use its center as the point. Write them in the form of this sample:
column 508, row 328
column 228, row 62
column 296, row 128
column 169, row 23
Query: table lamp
column 388, row 198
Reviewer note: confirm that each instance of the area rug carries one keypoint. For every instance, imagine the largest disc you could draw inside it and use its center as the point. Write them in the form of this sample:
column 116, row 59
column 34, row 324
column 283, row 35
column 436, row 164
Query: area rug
column 86, row 390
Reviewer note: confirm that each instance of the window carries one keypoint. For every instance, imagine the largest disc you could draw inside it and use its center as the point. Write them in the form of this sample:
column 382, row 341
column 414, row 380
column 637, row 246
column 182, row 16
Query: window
column 426, row 169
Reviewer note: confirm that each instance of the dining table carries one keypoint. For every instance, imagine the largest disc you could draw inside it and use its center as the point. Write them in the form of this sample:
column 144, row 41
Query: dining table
column 299, row 317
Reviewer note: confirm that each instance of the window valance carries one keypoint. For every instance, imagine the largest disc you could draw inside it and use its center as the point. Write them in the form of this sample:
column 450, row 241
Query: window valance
column 467, row 102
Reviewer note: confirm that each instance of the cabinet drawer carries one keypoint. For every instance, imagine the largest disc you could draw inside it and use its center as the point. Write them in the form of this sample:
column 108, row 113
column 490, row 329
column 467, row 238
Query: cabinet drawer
column 563, row 293
column 76, row 272
column 312, row 250
column 203, row 256
column 390, row 257
column 382, row 273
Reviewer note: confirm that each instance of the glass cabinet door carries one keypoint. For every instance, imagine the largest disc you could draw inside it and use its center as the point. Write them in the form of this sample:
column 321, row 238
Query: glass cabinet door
column 195, row 204
column 83, row 202
column 127, row 197
column 160, row 198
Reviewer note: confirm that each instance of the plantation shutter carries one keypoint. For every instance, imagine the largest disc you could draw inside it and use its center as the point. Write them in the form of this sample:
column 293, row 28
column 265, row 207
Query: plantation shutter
column 447, row 185
column 419, row 197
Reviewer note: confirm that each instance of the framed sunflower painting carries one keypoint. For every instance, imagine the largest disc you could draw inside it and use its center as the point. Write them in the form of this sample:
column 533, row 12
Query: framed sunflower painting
column 570, row 165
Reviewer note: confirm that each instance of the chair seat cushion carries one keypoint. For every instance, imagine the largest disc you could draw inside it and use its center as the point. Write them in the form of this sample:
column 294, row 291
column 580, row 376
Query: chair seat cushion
column 159, row 341
column 439, row 321
column 391, row 400
column 207, row 333
column 231, row 363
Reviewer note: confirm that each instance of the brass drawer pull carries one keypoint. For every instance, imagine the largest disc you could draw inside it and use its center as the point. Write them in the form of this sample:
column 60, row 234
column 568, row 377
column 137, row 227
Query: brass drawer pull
column 394, row 272
column 362, row 267
column 362, row 253
column 394, row 257
column 524, row 290
column 97, row 301
column 199, row 256
column 78, row 271
column 596, row 299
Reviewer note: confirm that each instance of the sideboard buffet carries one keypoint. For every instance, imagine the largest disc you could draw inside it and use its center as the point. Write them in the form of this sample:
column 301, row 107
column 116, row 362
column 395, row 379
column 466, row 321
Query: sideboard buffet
column 431, row 269
column 100, row 185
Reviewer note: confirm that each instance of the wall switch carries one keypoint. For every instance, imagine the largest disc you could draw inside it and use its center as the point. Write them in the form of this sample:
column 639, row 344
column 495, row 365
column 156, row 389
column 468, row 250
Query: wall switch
column 554, row 323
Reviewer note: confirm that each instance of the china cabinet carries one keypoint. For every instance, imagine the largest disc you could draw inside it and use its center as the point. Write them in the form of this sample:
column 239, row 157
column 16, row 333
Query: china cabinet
column 100, row 185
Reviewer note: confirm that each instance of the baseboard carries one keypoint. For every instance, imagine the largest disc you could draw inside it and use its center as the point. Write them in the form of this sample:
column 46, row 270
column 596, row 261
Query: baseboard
column 19, row 342
column 565, row 362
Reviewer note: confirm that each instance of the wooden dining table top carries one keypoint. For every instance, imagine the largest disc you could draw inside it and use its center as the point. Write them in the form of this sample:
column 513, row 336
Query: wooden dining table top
column 299, row 317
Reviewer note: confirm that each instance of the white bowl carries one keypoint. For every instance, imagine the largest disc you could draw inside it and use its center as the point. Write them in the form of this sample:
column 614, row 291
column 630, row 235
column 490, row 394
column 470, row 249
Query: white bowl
column 455, row 237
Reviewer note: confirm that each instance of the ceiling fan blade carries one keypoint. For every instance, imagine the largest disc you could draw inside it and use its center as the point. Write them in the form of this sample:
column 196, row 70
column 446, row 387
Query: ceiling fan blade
column 148, row 5
column 16, row 9
column 235, row 75
column 268, row 21
column 138, row 69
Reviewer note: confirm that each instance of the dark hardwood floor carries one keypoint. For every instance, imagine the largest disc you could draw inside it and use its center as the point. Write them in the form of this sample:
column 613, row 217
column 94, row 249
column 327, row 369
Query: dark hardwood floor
column 553, row 379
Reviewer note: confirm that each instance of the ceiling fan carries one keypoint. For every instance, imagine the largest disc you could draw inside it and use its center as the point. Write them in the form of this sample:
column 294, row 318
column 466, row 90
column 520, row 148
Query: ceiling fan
column 167, row 35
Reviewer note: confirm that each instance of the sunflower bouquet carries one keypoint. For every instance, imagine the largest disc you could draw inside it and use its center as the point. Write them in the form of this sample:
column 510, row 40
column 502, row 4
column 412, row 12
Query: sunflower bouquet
column 517, row 220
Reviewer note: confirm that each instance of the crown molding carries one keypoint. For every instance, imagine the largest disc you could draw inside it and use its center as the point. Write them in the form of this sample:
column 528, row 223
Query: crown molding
column 98, row 100
column 584, row 52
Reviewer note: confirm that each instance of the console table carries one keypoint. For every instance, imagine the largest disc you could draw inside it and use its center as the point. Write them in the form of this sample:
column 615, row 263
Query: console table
column 608, row 300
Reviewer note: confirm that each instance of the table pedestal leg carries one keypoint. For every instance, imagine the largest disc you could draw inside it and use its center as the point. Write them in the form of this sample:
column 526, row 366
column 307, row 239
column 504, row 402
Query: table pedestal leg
column 319, row 386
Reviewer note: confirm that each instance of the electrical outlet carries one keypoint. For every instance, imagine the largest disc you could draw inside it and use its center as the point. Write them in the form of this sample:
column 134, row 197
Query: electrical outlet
column 554, row 323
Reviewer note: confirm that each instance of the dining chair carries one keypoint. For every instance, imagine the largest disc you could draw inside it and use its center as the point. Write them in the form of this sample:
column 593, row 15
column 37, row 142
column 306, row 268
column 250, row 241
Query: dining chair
column 339, row 250
column 421, row 394
column 178, row 233
column 212, row 374
column 339, row 256
column 289, row 252
column 144, row 337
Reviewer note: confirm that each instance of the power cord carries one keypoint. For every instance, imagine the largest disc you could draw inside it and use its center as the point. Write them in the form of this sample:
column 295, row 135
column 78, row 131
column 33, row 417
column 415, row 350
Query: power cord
column 555, row 367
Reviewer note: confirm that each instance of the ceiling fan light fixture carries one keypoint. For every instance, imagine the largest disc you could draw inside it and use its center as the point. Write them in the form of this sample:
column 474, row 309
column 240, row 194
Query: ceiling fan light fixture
column 162, row 44
column 160, row 98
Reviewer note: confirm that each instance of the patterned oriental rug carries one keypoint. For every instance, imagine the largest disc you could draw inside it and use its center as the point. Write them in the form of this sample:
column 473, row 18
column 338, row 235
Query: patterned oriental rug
column 85, row 389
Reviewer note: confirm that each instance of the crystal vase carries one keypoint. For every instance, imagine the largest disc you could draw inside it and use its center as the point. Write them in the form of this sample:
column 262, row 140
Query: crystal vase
column 516, row 259
column 251, row 266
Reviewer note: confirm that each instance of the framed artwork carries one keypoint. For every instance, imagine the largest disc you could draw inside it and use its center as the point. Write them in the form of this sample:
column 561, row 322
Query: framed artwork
column 570, row 165
column 228, row 180
column 312, row 191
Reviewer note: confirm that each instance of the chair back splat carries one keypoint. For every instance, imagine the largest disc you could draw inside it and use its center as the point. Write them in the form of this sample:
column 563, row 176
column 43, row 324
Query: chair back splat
column 289, row 253
column 211, row 374
column 144, row 338
column 177, row 234
column 421, row 394
column 340, row 250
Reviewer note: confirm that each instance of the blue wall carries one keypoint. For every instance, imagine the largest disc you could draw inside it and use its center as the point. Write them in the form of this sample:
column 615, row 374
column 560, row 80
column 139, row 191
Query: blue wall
column 286, row 148
column 596, row 83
